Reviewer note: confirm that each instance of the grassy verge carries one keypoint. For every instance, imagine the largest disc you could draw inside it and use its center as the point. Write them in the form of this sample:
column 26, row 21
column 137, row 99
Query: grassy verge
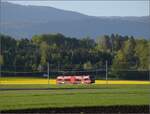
column 40, row 96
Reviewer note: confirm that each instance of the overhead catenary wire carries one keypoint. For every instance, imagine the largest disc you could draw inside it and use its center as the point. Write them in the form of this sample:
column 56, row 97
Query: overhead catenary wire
column 23, row 72
column 73, row 70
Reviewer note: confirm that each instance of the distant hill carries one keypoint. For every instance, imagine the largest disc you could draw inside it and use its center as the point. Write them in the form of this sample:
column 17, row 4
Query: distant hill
column 25, row 21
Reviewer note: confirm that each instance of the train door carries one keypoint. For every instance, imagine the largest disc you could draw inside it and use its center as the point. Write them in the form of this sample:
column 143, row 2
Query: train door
column 72, row 79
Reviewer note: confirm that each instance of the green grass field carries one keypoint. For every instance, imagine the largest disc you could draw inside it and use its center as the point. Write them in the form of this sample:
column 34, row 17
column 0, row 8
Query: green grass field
column 40, row 96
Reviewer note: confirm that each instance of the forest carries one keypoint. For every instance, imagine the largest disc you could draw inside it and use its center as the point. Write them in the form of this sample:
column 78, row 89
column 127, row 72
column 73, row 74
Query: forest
column 125, row 53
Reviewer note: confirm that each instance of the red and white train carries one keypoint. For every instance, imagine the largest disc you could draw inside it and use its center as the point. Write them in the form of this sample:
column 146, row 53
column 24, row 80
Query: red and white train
column 83, row 79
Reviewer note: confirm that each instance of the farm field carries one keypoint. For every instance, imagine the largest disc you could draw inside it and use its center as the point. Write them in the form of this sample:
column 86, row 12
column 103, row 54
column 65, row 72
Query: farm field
column 42, row 96
column 34, row 93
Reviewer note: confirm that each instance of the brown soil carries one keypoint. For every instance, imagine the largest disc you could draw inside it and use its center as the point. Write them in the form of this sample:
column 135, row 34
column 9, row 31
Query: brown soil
column 144, row 109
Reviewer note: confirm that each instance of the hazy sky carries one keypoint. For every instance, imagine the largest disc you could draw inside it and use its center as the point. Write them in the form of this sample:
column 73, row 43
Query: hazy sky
column 97, row 8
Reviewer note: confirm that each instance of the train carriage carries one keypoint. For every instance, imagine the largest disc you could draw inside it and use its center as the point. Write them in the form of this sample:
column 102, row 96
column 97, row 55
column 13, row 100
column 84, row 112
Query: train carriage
column 82, row 79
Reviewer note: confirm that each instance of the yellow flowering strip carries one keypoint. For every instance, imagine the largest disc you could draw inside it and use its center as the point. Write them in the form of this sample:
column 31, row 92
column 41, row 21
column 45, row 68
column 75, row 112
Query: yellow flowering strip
column 121, row 82
column 29, row 81
column 53, row 81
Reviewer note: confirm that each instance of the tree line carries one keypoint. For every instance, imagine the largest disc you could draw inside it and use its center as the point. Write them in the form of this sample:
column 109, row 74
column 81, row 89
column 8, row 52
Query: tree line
column 61, row 52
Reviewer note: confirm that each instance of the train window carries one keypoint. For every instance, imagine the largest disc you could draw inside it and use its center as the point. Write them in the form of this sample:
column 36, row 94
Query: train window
column 67, row 79
column 86, row 79
column 78, row 79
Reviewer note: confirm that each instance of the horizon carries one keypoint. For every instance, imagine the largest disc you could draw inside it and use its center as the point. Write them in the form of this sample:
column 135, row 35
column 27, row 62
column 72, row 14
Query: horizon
column 95, row 8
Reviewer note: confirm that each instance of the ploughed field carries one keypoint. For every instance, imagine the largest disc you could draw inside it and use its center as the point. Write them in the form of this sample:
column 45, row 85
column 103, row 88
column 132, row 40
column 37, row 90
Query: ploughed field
column 38, row 97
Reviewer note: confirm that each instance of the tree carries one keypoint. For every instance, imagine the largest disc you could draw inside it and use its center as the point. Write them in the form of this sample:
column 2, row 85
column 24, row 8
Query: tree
column 142, row 53
column 129, row 51
column 8, row 46
column 1, row 60
column 87, row 65
column 87, row 43
column 104, row 43
column 44, row 52
column 119, row 63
